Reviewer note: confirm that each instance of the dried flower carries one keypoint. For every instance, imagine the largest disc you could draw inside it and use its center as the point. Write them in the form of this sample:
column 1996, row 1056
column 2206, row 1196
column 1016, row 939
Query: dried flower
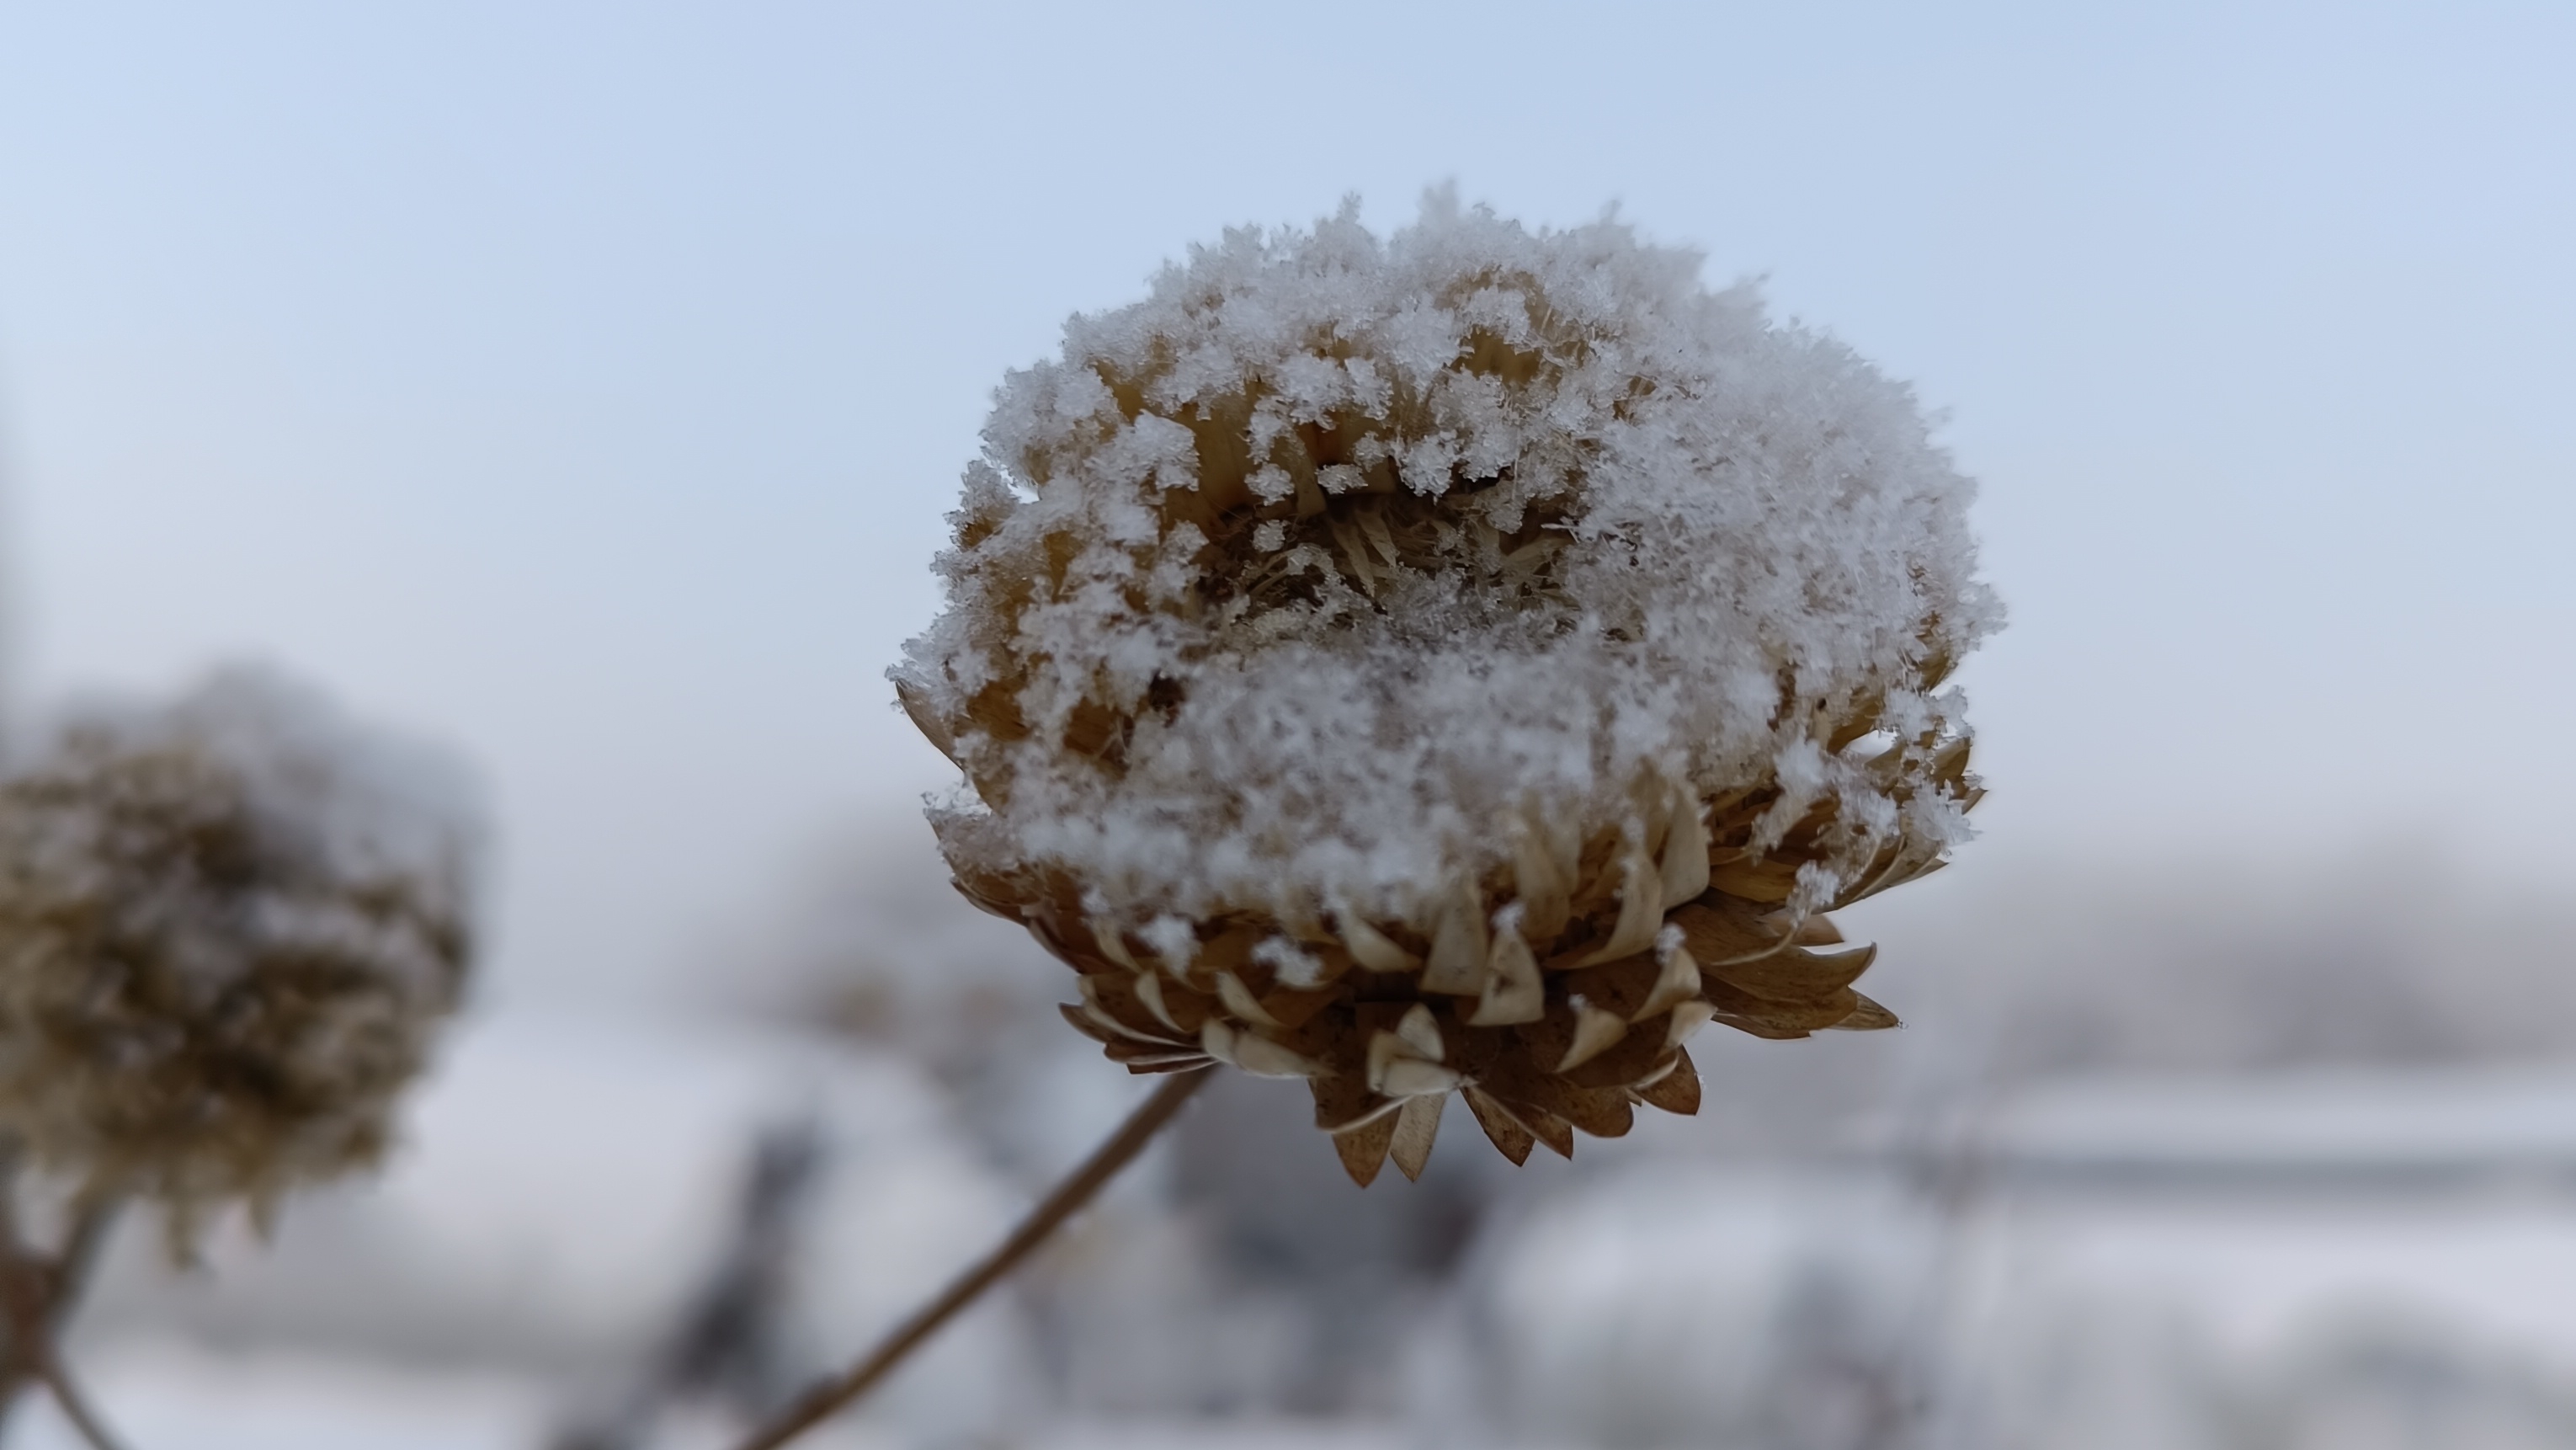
column 1468, row 661
column 227, row 928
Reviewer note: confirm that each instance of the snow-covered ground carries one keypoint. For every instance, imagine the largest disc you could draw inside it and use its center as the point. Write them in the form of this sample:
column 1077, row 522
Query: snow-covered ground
column 2309, row 1263
column 168, row 1393
column 2295, row 1263
column 568, row 1191
column 174, row 1393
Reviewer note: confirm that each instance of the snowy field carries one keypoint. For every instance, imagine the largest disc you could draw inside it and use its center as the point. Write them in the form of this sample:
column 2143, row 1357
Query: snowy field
column 2301, row 1263
column 168, row 1393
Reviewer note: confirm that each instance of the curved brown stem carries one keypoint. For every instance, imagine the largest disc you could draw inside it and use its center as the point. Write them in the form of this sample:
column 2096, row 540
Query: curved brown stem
column 41, row 1292
column 1069, row 1196
column 76, row 1405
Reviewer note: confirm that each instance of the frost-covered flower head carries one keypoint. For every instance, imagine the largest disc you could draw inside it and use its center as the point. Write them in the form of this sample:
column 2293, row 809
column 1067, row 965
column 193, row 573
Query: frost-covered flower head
column 1427, row 603
column 228, row 926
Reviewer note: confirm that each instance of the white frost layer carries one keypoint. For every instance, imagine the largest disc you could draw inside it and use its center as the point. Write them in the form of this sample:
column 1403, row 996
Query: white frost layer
column 1756, row 531
column 341, row 805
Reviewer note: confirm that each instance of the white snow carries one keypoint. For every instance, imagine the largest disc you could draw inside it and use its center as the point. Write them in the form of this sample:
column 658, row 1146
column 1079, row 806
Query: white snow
column 1563, row 529
column 355, row 802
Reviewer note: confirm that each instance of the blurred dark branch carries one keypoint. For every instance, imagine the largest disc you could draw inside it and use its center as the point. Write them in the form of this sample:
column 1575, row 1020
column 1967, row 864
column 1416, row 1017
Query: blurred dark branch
column 37, row 1293
column 726, row 1341
column 1068, row 1198
column 76, row 1405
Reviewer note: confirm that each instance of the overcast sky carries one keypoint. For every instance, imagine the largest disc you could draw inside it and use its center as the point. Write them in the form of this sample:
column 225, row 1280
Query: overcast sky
column 584, row 383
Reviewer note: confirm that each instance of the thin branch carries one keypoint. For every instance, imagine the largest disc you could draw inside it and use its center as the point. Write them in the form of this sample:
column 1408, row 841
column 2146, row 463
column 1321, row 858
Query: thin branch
column 79, row 1253
column 19, row 1288
column 41, row 1293
column 67, row 1273
column 12, row 1158
column 1067, row 1199
column 76, row 1406
column 722, row 1342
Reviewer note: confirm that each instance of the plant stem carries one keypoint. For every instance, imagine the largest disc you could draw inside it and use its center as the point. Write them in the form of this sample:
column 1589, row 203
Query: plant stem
column 76, row 1406
column 42, row 1294
column 1068, row 1197
column 19, row 1287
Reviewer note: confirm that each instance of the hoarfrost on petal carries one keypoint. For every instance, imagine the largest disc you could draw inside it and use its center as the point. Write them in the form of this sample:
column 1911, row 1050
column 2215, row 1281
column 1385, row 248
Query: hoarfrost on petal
column 1361, row 545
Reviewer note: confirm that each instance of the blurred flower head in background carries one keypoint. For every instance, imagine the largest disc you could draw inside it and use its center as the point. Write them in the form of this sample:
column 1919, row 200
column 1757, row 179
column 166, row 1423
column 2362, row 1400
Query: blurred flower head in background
column 228, row 926
column 1471, row 659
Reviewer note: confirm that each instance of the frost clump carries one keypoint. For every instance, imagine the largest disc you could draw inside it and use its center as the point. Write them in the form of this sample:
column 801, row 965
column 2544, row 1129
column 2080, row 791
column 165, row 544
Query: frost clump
column 228, row 926
column 1341, row 564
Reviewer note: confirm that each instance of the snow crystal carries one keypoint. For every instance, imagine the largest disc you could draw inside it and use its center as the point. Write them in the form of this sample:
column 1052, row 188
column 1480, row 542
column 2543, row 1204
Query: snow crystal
column 1301, row 579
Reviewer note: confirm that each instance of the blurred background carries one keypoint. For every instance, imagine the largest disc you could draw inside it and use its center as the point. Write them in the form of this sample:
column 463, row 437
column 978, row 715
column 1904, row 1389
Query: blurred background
column 585, row 385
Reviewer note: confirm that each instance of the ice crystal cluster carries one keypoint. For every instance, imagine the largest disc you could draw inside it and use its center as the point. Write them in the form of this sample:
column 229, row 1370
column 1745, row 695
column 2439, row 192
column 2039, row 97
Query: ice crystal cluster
column 228, row 926
column 1424, row 650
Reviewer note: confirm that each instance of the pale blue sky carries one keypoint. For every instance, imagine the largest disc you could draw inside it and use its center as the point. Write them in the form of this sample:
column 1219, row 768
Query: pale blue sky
column 585, row 382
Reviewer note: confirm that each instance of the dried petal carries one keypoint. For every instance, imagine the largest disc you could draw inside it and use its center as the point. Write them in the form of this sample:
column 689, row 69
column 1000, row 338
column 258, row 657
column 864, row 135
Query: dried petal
column 1417, row 1124
column 1149, row 990
column 1113, row 944
column 1238, row 999
column 1372, row 948
column 1411, row 1077
column 1676, row 1091
column 1262, row 1057
column 1866, row 1016
column 1684, row 869
column 1796, row 975
column 1542, row 887
column 1510, row 1137
column 1293, row 1007
column 1513, row 991
column 1595, row 1032
column 1678, row 982
column 1363, row 1148
column 1688, row 1019
column 1770, row 882
column 1459, row 950
column 1421, row 1032
column 1641, row 910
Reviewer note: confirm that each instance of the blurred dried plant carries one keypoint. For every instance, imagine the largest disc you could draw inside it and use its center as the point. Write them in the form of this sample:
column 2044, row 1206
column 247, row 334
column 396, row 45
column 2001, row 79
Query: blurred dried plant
column 228, row 927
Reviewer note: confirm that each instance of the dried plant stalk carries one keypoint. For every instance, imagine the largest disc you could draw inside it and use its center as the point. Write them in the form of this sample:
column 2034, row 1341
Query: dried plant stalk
column 1069, row 1197
column 75, row 1404
column 40, row 1292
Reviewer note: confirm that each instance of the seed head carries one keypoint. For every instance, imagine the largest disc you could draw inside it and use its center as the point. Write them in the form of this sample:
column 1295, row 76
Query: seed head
column 228, row 926
column 1467, row 660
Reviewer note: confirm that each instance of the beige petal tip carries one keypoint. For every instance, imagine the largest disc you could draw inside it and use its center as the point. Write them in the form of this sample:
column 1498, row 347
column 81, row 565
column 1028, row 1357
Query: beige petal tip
column 1595, row 1032
column 1417, row 1125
